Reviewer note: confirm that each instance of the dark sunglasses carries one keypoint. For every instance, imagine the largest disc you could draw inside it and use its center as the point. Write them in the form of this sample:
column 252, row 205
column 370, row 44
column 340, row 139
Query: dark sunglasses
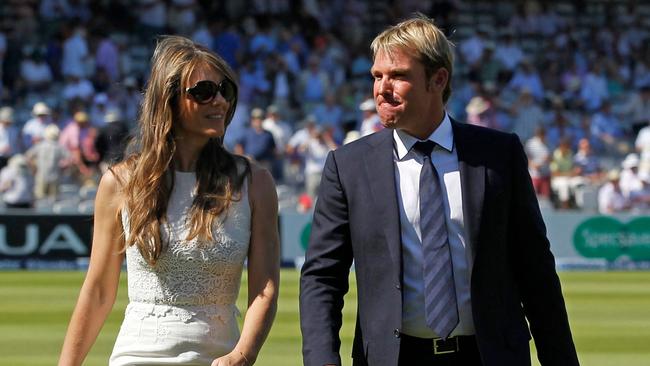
column 205, row 91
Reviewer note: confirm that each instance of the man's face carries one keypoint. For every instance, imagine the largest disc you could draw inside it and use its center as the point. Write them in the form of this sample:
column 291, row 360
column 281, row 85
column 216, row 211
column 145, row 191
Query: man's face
column 402, row 96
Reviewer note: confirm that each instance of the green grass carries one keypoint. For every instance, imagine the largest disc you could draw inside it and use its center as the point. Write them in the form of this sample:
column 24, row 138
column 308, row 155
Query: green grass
column 609, row 313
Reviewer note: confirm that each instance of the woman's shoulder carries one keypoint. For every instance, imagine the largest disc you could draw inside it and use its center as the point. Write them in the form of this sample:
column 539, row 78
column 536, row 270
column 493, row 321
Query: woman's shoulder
column 261, row 185
column 117, row 175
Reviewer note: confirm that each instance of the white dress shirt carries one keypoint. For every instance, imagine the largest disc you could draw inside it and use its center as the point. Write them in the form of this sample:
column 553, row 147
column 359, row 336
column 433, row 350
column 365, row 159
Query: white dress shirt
column 407, row 177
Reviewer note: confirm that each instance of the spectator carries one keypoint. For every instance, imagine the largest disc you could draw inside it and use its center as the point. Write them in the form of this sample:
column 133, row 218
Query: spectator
column 34, row 128
column 99, row 109
column 370, row 122
column 257, row 143
column 111, row 140
column 281, row 132
column 594, row 88
column 608, row 130
column 508, row 53
column 586, row 163
column 481, row 112
column 35, row 72
column 640, row 199
column 107, row 57
column 610, row 197
column 313, row 85
column 539, row 159
column 329, row 115
column 642, row 145
column 294, row 154
column 78, row 87
column 527, row 115
column 49, row 159
column 472, row 48
column 78, row 138
column 75, row 53
column 630, row 180
column 9, row 136
column 560, row 128
column 129, row 101
column 17, row 183
column 637, row 108
column 527, row 77
column 563, row 180
column 315, row 150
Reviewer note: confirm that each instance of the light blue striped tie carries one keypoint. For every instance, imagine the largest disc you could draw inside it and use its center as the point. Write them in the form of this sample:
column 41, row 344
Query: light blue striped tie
column 441, row 310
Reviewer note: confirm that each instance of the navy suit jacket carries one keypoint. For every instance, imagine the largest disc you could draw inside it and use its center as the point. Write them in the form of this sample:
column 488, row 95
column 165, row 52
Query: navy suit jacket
column 513, row 276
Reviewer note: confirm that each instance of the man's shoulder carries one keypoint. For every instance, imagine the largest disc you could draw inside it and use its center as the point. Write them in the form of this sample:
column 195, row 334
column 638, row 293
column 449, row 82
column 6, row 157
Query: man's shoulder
column 365, row 143
column 475, row 133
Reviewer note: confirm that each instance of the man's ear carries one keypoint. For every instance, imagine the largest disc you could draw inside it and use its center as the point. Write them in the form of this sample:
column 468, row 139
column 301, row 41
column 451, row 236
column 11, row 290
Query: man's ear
column 439, row 80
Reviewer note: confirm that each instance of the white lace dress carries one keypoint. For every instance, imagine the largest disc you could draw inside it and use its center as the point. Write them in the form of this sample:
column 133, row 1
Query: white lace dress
column 182, row 311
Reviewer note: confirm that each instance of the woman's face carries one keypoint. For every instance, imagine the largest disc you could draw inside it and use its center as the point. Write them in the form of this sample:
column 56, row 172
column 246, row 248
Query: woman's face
column 199, row 122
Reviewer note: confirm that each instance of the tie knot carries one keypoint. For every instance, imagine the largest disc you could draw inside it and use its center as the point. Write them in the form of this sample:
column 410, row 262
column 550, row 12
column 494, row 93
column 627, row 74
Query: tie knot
column 424, row 147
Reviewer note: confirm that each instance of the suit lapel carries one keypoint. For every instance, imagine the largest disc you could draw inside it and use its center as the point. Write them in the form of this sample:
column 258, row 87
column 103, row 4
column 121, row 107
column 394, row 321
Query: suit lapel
column 380, row 170
column 472, row 178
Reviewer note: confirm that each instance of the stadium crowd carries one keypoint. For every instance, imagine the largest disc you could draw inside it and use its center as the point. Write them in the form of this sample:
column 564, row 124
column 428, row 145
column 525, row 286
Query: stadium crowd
column 571, row 79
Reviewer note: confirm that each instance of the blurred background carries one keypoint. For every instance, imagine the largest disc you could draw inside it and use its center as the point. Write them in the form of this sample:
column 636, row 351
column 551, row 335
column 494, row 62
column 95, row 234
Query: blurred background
column 570, row 78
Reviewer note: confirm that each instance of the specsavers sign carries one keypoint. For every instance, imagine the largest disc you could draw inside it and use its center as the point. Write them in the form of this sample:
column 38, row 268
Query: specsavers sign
column 610, row 239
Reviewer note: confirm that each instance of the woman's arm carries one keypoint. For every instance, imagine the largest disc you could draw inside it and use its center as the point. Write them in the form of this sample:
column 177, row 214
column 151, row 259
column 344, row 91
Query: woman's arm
column 263, row 271
column 100, row 286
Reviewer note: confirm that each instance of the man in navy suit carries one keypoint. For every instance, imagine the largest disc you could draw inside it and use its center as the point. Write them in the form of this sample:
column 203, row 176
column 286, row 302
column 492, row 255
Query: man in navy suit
column 450, row 250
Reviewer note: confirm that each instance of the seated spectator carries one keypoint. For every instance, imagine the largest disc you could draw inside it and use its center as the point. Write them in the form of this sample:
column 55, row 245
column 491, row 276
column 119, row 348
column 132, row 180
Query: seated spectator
column 315, row 150
column 610, row 197
column 48, row 159
column 527, row 115
column 34, row 128
column 593, row 90
column 640, row 198
column 78, row 87
column 539, row 158
column 78, row 138
column 587, row 169
column 281, row 132
column 329, row 114
column 9, row 136
column 637, row 108
column 560, row 129
column 608, row 130
column 295, row 168
column 257, row 143
column 35, row 72
column 630, row 175
column 586, row 163
column 371, row 122
column 527, row 76
column 562, row 174
column 17, row 183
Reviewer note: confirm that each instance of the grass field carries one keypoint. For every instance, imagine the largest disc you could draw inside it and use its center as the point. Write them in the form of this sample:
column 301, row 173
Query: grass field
column 609, row 313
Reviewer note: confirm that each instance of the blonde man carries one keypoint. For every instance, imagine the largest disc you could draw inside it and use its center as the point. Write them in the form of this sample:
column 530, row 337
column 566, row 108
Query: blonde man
column 441, row 220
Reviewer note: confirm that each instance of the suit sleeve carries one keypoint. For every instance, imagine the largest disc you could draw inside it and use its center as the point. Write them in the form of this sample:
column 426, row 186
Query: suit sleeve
column 324, row 278
column 535, row 267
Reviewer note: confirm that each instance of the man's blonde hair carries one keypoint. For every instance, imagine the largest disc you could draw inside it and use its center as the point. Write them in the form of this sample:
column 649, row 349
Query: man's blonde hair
column 420, row 37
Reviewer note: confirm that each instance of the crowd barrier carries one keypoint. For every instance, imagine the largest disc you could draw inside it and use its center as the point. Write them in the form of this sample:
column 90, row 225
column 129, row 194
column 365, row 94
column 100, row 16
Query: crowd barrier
column 578, row 240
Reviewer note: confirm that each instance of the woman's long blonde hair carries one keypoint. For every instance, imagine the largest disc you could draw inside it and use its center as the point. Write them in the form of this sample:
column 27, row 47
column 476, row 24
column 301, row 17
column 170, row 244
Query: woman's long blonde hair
column 148, row 168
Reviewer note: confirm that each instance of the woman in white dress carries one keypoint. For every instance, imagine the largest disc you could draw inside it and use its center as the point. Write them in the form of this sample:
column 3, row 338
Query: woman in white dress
column 185, row 214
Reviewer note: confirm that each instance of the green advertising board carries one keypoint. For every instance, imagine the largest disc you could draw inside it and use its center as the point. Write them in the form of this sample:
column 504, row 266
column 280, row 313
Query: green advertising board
column 608, row 238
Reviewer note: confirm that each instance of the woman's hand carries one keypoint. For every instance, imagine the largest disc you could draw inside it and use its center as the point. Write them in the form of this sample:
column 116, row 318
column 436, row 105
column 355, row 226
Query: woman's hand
column 234, row 358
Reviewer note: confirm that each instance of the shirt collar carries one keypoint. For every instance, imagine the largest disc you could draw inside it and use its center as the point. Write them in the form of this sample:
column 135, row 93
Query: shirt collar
column 443, row 136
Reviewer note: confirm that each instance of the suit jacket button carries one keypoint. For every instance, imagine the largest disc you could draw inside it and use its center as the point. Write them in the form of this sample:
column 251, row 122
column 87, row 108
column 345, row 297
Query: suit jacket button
column 398, row 286
column 396, row 333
